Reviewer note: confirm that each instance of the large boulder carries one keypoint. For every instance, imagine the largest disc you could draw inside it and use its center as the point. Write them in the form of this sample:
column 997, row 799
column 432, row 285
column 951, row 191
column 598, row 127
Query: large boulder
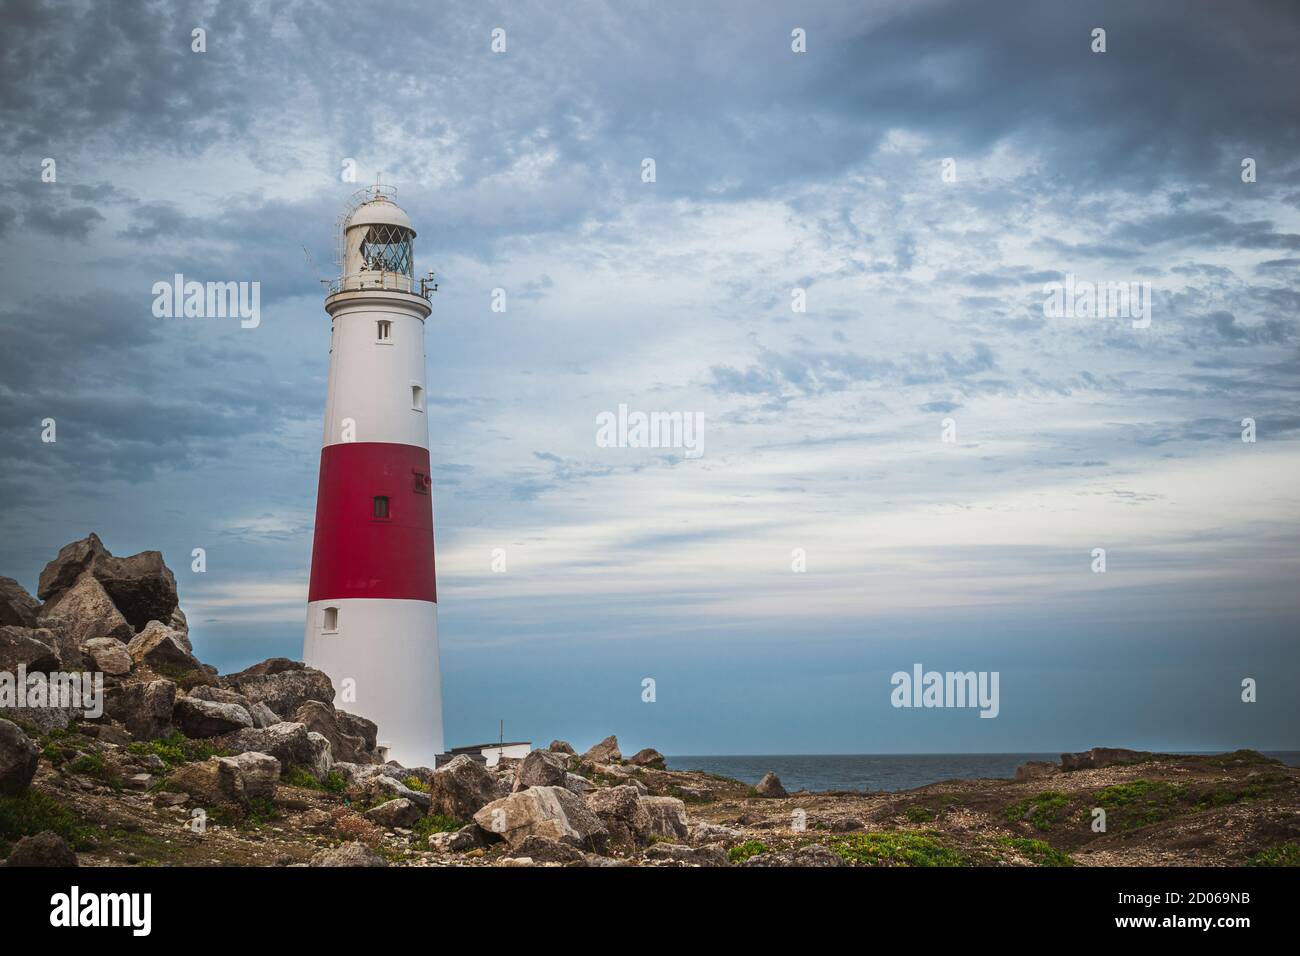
column 382, row 786
column 88, row 612
column 18, row 759
column 604, row 752
column 287, row 742
column 349, row 854
column 161, row 649
column 216, row 781
column 282, row 684
column 355, row 726
column 219, row 695
column 648, row 757
column 43, row 849
column 208, row 718
column 394, row 814
column 561, row 747
column 691, row 855
column 620, row 810
column 322, row 719
column 550, row 812
column 462, row 788
column 543, row 850
column 770, row 786
column 141, row 586
column 541, row 768
column 144, row 708
column 109, row 655
column 667, row 818
column 17, row 607
column 20, row 647
column 259, row 774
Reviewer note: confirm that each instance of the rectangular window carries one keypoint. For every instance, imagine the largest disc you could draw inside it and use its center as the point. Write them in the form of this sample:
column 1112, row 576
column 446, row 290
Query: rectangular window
column 417, row 398
column 381, row 506
column 383, row 331
column 330, row 623
column 421, row 483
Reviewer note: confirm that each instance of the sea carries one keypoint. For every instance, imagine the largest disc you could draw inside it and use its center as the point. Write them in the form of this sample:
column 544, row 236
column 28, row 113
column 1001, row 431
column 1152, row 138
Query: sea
column 866, row 772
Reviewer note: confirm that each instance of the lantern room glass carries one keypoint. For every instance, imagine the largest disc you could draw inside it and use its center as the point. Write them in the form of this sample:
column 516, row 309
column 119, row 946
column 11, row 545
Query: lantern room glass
column 388, row 249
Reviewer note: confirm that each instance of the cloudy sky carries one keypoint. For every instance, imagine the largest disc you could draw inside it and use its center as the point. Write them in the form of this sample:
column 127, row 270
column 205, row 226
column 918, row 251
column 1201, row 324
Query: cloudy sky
column 821, row 171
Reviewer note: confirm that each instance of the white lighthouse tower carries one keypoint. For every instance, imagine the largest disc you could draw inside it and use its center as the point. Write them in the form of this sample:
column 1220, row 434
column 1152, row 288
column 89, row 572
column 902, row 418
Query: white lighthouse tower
column 372, row 611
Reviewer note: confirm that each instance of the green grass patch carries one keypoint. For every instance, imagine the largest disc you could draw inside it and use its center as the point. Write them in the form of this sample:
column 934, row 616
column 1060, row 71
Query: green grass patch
column 919, row 815
column 1284, row 854
column 1041, row 852
column 739, row 854
column 895, row 849
column 426, row 826
column 299, row 776
column 92, row 765
column 1044, row 811
column 34, row 813
column 415, row 783
column 176, row 749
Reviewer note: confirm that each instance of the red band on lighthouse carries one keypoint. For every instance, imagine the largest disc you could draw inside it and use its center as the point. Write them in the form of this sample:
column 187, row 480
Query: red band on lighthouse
column 366, row 551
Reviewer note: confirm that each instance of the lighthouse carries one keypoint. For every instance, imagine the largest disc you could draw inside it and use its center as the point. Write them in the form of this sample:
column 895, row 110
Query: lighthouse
column 372, row 604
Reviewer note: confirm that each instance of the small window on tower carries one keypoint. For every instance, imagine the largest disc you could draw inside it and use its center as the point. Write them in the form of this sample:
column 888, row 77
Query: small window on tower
column 381, row 506
column 421, row 483
column 330, row 621
column 383, row 331
column 417, row 398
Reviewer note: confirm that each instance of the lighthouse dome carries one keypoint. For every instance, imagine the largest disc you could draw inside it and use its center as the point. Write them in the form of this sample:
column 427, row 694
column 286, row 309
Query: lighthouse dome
column 380, row 211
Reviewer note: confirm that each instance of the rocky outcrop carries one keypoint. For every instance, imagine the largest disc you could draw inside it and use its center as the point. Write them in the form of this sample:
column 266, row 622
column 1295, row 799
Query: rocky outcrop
column 145, row 709
column 770, row 786
column 395, row 813
column 692, row 855
column 550, row 812
column 349, row 854
column 88, row 612
column 667, row 816
column 354, row 726
column 541, row 768
column 604, row 752
column 200, row 718
column 109, row 655
column 287, row 742
column 17, row 607
column 323, row 719
column 561, row 747
column 462, row 788
column 140, row 587
column 281, row 684
column 543, row 850
column 216, row 781
column 18, row 759
column 20, row 647
column 259, row 774
column 380, row 786
column 43, row 849
column 1103, row 757
column 620, row 810
column 161, row 649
